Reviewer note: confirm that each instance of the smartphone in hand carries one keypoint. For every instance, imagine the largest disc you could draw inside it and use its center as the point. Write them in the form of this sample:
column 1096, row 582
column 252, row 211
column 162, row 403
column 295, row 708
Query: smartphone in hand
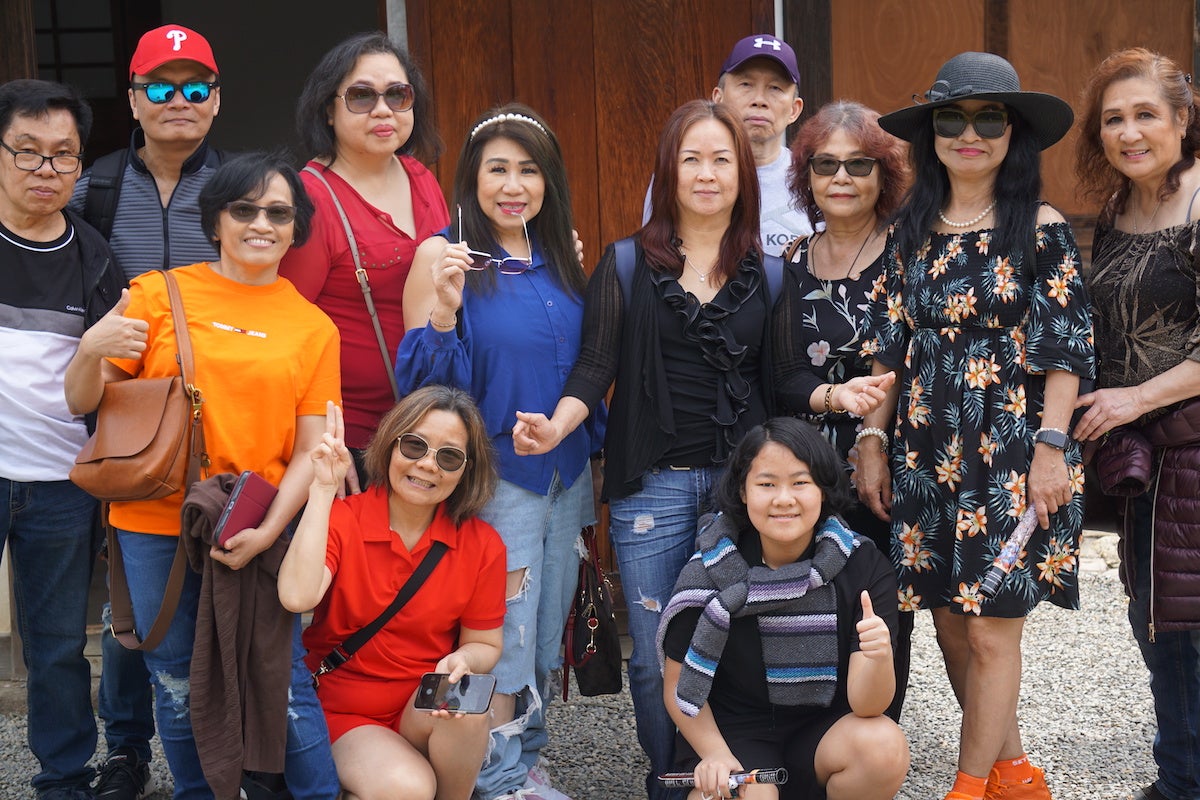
column 471, row 695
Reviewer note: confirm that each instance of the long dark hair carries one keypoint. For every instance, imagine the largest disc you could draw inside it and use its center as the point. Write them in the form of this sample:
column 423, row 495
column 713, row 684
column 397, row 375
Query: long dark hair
column 312, row 110
column 1099, row 179
column 659, row 236
column 552, row 226
column 1017, row 191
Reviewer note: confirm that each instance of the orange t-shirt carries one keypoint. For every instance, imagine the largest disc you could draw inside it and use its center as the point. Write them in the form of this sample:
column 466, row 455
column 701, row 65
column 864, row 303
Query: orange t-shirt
column 264, row 356
column 370, row 563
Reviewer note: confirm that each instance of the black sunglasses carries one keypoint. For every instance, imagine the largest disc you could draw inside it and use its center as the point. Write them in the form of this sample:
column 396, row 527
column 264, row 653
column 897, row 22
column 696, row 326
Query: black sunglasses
column 360, row 98
column 859, row 167
column 989, row 123
column 414, row 448
column 159, row 92
column 245, row 211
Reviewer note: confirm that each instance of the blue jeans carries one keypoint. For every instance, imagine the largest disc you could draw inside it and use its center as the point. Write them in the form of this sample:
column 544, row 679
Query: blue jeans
column 50, row 529
column 654, row 534
column 539, row 532
column 309, row 767
column 126, row 701
column 1173, row 659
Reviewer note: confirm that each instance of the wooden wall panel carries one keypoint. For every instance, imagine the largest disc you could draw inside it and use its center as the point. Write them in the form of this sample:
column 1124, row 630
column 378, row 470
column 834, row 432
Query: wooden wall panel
column 637, row 82
column 1055, row 47
column 17, row 52
column 471, row 60
column 886, row 50
column 560, row 85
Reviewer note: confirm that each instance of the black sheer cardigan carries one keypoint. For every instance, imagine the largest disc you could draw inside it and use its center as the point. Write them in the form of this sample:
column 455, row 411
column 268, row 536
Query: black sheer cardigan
column 625, row 348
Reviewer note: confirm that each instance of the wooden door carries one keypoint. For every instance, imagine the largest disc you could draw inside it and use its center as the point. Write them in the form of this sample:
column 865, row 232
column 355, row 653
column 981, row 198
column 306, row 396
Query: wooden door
column 605, row 74
column 884, row 51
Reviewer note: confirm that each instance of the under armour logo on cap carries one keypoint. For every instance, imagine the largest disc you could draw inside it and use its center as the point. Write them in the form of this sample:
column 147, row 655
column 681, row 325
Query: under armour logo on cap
column 180, row 37
column 763, row 45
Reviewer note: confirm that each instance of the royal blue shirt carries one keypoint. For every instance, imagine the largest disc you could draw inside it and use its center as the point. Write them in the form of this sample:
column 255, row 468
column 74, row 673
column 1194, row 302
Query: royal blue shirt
column 519, row 343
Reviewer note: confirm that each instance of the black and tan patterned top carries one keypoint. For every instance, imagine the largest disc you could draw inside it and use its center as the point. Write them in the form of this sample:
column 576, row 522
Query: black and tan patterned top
column 1145, row 291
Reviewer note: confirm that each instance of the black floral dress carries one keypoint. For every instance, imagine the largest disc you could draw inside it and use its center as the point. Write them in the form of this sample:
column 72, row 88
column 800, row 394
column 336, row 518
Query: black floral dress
column 823, row 323
column 975, row 332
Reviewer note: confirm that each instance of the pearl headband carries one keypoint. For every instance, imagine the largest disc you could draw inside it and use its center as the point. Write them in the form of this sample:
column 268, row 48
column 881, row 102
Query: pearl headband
column 507, row 118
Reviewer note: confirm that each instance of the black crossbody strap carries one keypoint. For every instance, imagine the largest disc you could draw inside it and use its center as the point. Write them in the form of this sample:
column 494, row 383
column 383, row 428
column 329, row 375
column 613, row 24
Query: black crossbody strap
column 346, row 650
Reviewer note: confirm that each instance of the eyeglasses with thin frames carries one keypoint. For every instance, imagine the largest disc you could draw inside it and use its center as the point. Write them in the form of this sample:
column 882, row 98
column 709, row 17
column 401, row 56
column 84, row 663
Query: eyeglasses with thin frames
column 29, row 161
column 414, row 448
column 509, row 265
column 858, row 167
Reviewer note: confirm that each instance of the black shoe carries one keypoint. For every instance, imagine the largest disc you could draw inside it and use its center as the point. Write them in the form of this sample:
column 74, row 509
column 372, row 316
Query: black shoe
column 124, row 776
column 1150, row 792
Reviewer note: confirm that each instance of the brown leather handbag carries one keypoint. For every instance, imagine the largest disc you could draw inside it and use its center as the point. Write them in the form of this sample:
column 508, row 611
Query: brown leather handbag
column 147, row 429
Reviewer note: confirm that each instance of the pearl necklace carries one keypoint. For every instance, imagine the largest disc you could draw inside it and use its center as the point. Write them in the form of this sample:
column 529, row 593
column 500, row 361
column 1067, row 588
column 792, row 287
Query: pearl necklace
column 702, row 275
column 969, row 222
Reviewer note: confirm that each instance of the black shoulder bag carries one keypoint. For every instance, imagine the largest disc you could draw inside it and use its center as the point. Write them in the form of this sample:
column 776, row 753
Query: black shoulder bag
column 346, row 650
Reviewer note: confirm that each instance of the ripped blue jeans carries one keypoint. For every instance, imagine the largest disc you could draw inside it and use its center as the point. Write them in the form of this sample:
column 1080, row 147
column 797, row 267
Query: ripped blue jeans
column 539, row 533
column 654, row 534
column 309, row 767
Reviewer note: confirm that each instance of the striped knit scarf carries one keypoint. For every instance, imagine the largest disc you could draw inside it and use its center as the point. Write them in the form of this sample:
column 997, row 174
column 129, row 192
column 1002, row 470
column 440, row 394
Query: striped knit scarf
column 795, row 605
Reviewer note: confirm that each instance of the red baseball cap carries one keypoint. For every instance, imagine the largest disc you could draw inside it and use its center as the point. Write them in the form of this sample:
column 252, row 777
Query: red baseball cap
column 170, row 43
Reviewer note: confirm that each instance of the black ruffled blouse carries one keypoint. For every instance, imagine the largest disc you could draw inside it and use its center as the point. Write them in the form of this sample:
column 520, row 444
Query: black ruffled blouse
column 691, row 378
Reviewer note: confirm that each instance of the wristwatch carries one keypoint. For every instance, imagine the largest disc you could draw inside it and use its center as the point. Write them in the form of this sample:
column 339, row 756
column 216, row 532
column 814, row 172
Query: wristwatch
column 1053, row 437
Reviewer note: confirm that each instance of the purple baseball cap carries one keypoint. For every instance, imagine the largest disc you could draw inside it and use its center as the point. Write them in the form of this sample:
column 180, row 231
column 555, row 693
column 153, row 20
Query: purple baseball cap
column 763, row 45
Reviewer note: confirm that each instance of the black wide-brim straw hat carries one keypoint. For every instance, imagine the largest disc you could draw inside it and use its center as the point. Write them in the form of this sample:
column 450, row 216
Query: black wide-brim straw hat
column 983, row 76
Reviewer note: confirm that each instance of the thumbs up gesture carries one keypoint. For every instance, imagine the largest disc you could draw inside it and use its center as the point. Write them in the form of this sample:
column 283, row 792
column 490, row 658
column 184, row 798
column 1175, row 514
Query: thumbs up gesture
column 874, row 638
column 115, row 335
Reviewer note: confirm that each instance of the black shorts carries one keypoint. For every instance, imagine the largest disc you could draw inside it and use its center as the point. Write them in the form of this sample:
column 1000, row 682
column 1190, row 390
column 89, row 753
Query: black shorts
column 789, row 743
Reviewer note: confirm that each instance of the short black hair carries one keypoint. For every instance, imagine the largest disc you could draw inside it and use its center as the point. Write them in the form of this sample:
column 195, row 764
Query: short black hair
column 807, row 445
column 247, row 176
column 312, row 110
column 34, row 98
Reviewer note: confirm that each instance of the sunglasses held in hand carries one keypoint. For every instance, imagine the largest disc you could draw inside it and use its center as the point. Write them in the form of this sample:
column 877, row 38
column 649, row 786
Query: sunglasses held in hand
column 509, row 265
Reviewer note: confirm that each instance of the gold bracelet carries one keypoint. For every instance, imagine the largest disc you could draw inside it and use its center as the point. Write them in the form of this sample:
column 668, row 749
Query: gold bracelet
column 829, row 409
column 443, row 325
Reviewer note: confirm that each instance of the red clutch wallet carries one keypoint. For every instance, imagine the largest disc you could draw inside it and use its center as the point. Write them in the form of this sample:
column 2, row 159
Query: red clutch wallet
column 246, row 508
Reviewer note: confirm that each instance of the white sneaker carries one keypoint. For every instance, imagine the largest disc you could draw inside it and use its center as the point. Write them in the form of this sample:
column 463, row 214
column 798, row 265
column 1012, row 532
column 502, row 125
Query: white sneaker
column 539, row 782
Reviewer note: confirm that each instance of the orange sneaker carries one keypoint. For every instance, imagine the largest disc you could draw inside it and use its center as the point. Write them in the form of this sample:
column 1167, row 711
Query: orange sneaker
column 1035, row 789
column 958, row 796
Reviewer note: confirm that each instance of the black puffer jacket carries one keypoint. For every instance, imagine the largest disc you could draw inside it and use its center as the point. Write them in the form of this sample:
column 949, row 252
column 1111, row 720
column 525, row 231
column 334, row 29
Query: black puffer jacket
column 1175, row 492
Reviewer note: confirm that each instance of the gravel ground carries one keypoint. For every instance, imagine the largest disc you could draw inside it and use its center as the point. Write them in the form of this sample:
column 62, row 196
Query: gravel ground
column 1085, row 711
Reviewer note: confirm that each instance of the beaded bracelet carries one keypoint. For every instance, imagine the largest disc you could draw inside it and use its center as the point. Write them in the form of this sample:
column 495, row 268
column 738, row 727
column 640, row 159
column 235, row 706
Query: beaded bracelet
column 443, row 325
column 829, row 409
column 865, row 432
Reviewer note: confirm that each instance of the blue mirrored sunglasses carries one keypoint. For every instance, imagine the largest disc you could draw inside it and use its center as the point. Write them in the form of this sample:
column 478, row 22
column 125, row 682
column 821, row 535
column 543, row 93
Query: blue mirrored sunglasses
column 159, row 92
